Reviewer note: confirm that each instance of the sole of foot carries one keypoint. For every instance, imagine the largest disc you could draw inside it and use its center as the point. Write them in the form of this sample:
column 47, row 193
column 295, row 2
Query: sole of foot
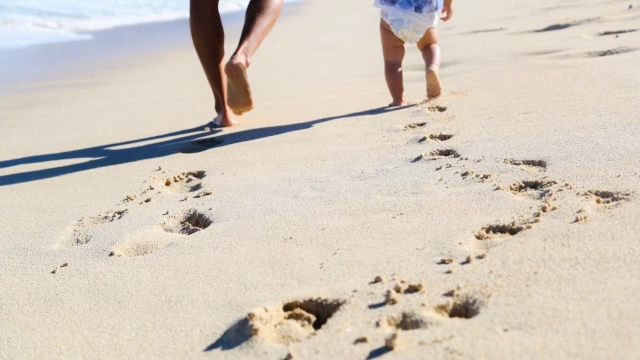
column 434, row 89
column 240, row 99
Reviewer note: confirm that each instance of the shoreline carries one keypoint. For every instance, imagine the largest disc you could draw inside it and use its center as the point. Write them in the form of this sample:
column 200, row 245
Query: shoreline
column 22, row 68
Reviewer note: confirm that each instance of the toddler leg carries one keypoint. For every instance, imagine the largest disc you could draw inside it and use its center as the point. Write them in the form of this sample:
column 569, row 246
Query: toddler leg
column 393, row 53
column 428, row 45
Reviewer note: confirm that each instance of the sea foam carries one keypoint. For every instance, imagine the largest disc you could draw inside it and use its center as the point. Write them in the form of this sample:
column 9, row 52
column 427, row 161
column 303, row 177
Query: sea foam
column 30, row 22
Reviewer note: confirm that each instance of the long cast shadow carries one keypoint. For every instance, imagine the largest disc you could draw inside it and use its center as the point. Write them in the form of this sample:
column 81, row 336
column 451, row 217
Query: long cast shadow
column 194, row 140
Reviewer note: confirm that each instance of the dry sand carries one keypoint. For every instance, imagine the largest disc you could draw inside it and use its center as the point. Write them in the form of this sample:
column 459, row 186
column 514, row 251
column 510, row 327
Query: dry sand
column 502, row 221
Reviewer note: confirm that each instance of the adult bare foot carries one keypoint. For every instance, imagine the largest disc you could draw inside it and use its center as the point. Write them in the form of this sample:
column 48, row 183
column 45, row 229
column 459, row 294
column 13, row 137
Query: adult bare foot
column 223, row 121
column 239, row 95
column 434, row 89
column 400, row 103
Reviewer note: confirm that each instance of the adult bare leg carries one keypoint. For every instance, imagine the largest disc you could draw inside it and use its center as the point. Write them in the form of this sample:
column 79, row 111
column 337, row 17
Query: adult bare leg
column 259, row 20
column 208, row 38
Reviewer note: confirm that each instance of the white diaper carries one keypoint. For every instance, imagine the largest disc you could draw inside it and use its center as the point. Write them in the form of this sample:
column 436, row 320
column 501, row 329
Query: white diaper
column 409, row 19
column 406, row 28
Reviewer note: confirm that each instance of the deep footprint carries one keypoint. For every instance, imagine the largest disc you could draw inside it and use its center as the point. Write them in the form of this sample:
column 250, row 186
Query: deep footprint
column 188, row 223
column 438, row 137
column 285, row 324
column 501, row 230
column 541, row 187
column 465, row 306
column 445, row 153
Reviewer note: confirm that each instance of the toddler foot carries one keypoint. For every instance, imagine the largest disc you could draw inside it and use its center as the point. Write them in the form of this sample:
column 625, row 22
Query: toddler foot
column 400, row 102
column 434, row 89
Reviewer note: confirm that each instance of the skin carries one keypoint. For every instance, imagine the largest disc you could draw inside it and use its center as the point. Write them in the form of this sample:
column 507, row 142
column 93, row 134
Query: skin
column 207, row 33
column 393, row 52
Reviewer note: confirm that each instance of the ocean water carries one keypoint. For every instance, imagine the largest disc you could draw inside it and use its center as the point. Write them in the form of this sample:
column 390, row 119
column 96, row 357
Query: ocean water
column 31, row 22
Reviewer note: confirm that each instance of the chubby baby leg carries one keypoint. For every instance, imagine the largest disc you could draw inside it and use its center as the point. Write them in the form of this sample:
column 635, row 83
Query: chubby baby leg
column 428, row 45
column 393, row 53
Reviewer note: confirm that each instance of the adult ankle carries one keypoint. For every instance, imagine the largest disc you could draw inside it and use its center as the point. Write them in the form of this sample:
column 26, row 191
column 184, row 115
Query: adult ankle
column 240, row 58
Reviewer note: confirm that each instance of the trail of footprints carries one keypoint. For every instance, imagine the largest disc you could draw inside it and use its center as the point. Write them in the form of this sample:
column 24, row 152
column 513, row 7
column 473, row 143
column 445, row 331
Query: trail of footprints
column 389, row 307
column 399, row 309
column 536, row 187
column 180, row 187
column 294, row 321
column 600, row 53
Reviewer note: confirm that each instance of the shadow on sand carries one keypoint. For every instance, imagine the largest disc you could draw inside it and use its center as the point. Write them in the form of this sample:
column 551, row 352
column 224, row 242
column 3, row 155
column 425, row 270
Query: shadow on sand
column 235, row 336
column 192, row 140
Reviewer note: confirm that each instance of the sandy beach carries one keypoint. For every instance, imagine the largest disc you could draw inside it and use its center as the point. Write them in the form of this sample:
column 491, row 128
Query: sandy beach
column 500, row 221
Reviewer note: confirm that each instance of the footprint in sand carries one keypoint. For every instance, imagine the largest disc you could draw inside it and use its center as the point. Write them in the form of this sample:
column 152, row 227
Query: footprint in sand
column 187, row 223
column 493, row 235
column 536, row 189
column 460, row 306
column 527, row 164
column 180, row 183
column 416, row 314
column 610, row 52
column 415, row 125
column 291, row 322
column 437, row 137
column 607, row 197
column 502, row 230
column 617, row 32
column 556, row 27
column 285, row 324
column 438, row 154
column 600, row 200
column 470, row 174
column 142, row 244
column 82, row 230
column 541, row 190
column 444, row 153
column 392, row 295
column 436, row 108
column 176, row 226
